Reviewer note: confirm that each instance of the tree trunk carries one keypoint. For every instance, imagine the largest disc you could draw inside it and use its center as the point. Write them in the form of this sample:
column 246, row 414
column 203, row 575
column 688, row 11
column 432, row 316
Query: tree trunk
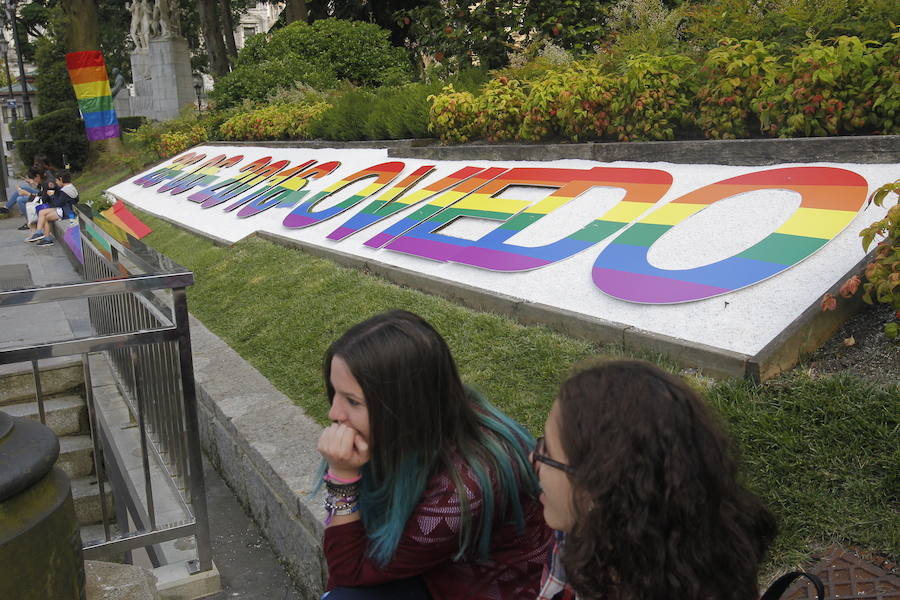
column 228, row 29
column 212, row 37
column 295, row 10
column 84, row 34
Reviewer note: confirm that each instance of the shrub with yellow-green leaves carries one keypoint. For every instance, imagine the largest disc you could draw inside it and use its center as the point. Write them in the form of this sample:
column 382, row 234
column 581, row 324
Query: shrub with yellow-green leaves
column 585, row 107
column 572, row 103
column 175, row 142
column 829, row 88
column 274, row 122
column 499, row 110
column 654, row 97
column 452, row 115
column 731, row 77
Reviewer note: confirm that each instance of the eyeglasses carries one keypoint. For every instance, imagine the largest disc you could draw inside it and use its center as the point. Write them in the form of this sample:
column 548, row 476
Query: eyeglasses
column 539, row 455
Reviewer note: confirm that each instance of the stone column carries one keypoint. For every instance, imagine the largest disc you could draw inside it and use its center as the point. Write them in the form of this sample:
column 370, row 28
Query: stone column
column 170, row 71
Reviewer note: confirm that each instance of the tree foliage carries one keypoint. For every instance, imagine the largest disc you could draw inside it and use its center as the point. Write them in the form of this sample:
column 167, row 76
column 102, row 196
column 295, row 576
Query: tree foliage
column 319, row 55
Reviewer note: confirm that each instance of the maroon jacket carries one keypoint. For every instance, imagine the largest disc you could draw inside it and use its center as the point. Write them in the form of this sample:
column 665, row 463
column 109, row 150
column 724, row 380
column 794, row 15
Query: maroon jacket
column 512, row 570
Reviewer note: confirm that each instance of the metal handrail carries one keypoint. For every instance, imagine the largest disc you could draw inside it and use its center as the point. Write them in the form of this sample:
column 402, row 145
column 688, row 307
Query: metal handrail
column 138, row 311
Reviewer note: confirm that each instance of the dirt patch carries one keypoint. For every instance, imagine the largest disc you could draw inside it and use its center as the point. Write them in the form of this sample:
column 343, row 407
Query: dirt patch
column 860, row 348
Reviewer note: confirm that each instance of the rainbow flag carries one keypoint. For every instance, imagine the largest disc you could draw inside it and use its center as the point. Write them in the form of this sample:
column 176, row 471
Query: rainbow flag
column 125, row 220
column 87, row 70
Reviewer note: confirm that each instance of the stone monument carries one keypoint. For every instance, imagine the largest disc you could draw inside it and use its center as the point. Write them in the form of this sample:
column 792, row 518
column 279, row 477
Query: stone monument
column 160, row 61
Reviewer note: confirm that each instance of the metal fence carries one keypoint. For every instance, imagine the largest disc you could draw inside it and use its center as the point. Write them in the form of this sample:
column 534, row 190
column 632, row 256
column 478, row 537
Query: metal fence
column 138, row 311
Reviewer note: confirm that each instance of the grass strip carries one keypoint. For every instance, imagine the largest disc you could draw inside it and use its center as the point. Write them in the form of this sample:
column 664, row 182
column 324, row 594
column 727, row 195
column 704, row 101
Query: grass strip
column 823, row 452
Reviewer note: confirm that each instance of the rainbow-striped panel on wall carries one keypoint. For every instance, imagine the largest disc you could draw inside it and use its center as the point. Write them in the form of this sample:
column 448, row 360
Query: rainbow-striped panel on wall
column 830, row 199
column 305, row 216
column 643, row 188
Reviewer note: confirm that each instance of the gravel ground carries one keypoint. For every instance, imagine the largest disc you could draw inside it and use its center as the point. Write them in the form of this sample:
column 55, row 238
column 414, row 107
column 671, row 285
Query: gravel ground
column 860, row 348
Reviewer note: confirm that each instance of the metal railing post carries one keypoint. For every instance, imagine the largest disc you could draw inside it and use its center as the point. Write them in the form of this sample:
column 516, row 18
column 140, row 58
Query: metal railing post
column 189, row 393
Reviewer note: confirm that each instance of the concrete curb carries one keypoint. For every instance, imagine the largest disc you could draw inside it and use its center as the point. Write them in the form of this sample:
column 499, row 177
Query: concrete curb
column 264, row 446
column 869, row 149
column 317, row 144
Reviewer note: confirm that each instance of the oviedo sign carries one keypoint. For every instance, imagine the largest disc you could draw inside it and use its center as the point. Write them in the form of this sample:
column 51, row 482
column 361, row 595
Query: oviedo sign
column 830, row 198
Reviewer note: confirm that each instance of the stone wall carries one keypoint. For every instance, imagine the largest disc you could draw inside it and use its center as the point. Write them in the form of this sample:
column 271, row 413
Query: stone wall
column 264, row 446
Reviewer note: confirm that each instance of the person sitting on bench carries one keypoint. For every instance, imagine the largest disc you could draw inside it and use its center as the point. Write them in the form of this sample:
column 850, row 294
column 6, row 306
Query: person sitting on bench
column 62, row 202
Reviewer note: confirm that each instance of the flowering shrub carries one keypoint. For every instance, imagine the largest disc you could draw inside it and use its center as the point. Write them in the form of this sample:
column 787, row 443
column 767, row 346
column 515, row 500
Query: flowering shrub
column 175, row 142
column 452, row 115
column 731, row 77
column 584, row 108
column 499, row 110
column 274, row 122
column 740, row 88
column 573, row 103
column 886, row 92
column 654, row 97
column 540, row 111
column 826, row 91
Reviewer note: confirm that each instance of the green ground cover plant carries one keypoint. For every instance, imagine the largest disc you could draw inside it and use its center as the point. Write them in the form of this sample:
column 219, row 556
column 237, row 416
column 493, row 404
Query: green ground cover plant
column 822, row 452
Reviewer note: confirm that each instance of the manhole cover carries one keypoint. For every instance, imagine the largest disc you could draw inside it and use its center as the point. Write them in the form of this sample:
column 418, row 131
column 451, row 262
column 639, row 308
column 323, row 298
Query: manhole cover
column 14, row 277
column 845, row 576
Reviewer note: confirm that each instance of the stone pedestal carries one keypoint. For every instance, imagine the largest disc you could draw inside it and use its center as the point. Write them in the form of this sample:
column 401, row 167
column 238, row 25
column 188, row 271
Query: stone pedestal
column 162, row 79
column 122, row 104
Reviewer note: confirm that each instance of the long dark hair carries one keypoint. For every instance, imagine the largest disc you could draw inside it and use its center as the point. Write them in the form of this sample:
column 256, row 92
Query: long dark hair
column 421, row 419
column 660, row 513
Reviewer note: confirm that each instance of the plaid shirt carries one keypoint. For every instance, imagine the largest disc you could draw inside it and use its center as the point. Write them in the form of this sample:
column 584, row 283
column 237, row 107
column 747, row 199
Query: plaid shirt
column 553, row 582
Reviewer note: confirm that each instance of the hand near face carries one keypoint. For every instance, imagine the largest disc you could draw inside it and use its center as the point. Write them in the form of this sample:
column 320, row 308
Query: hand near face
column 344, row 449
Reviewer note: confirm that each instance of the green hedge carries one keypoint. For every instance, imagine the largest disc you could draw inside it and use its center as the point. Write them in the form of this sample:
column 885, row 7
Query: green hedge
column 57, row 133
column 319, row 55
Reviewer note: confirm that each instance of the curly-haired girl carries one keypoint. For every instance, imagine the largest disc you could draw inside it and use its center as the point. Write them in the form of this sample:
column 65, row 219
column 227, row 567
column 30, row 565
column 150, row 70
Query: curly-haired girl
column 640, row 481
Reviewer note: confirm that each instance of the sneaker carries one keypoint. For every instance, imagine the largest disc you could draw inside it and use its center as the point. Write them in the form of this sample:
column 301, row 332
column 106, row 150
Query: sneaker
column 45, row 242
column 3, row 210
column 23, row 227
column 37, row 235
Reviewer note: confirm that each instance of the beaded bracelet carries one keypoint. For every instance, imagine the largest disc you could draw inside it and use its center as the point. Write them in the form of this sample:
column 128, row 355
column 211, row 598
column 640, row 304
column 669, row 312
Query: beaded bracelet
column 345, row 489
column 340, row 506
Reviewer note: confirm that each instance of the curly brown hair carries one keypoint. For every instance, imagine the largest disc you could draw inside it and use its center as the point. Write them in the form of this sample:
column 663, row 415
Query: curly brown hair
column 660, row 511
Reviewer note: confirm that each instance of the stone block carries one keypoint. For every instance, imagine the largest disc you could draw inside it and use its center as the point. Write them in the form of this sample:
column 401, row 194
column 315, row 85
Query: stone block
column 19, row 385
column 76, row 455
column 64, row 415
column 114, row 581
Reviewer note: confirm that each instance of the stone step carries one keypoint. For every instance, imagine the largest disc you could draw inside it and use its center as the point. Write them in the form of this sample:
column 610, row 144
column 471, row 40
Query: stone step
column 111, row 581
column 76, row 455
column 86, row 495
column 58, row 376
column 65, row 414
column 93, row 534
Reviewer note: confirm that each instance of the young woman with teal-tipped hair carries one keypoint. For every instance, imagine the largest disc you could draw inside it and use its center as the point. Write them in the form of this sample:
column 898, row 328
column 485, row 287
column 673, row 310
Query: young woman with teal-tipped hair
column 430, row 493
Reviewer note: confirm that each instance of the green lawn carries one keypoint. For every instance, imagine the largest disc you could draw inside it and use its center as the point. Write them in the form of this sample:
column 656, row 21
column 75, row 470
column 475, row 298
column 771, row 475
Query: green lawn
column 823, row 453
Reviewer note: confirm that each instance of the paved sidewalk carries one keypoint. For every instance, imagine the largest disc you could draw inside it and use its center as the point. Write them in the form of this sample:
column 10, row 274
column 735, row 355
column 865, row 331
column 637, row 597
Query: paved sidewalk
column 46, row 264
column 247, row 565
